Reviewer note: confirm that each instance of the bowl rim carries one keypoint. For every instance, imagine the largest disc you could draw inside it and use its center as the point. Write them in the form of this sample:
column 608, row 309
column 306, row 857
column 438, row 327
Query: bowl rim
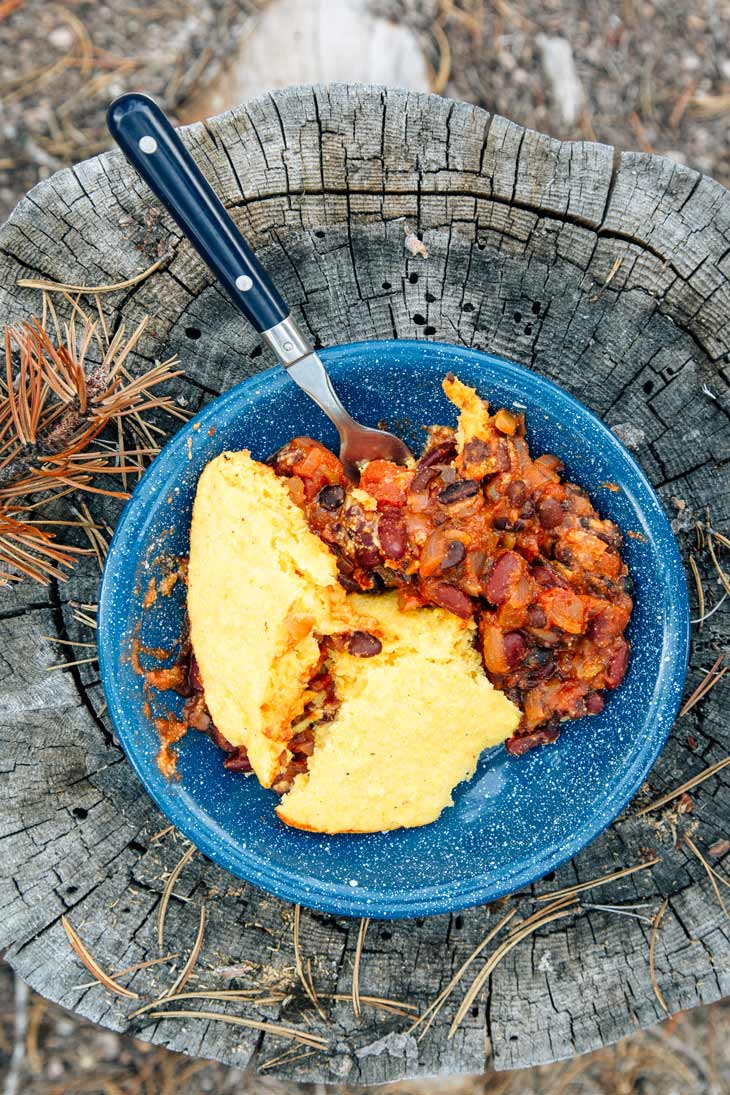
column 340, row 898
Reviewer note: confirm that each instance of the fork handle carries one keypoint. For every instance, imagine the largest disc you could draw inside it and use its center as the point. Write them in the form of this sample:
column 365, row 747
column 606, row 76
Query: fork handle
column 155, row 150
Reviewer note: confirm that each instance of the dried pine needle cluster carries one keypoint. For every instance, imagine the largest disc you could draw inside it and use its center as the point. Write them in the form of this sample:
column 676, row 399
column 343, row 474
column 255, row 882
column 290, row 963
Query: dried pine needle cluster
column 69, row 411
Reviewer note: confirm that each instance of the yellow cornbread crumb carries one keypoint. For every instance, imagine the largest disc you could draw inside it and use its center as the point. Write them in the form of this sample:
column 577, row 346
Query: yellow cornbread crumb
column 262, row 587
column 412, row 723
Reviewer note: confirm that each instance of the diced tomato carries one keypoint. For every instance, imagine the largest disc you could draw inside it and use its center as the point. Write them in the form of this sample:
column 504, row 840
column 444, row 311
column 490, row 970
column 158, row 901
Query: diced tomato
column 387, row 483
column 564, row 609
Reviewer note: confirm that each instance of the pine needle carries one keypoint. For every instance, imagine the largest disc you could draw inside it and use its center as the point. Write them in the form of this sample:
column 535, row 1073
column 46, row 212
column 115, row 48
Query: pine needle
column 60, row 287
column 593, row 883
column 435, row 1007
column 92, row 965
column 700, row 590
column 187, row 969
column 167, row 892
column 713, row 676
column 710, row 871
column 362, row 932
column 694, row 782
column 531, row 925
column 285, row 1059
column 715, row 562
column 311, row 1040
column 132, row 969
column 652, row 945
column 257, row 997
column 307, row 982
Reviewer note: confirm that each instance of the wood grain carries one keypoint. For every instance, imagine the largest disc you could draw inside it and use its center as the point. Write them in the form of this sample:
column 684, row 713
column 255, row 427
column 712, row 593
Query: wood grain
column 522, row 233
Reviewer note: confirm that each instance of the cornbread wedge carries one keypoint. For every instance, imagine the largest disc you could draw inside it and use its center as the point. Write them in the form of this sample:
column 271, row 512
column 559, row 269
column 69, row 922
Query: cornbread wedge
column 262, row 590
column 411, row 725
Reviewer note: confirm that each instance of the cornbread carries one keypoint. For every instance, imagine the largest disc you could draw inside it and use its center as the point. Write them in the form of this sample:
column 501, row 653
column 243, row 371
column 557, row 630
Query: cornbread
column 411, row 725
column 262, row 590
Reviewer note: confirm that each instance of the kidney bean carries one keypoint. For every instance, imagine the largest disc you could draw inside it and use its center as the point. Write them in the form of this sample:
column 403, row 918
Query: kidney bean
column 515, row 648
column 502, row 456
column 594, row 703
column 517, row 492
column 536, row 616
column 238, row 761
column 506, row 571
column 476, row 451
column 442, row 453
column 331, row 497
column 458, row 491
column 617, row 665
column 550, row 513
column 520, row 744
column 422, row 478
column 448, row 597
column 546, row 577
column 392, row 535
column 364, row 645
column 455, row 554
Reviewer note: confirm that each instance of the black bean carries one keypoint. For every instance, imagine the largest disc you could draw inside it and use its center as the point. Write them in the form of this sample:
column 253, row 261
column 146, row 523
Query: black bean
column 331, row 497
column 458, row 491
column 455, row 554
column 364, row 645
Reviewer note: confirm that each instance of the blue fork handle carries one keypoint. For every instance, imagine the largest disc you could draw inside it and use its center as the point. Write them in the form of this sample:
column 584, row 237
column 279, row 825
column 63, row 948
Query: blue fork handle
column 154, row 149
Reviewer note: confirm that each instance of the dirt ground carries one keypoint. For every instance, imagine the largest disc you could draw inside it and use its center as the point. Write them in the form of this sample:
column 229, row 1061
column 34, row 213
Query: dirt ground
column 647, row 76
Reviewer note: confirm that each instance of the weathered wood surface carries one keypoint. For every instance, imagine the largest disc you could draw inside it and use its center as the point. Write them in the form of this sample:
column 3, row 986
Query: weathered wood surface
column 522, row 233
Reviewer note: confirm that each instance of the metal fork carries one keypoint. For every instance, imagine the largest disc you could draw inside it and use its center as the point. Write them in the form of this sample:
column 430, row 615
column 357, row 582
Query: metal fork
column 154, row 149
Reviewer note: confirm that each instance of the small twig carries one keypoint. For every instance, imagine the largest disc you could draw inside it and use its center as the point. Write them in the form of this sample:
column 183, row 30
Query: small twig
column 92, row 965
column 167, row 892
column 20, row 1029
column 652, row 946
column 362, row 932
column 694, row 782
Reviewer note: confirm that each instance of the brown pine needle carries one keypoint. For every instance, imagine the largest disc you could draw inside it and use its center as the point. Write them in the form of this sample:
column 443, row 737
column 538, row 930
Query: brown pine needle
column 60, row 287
column 515, row 937
column 159, row 834
column 167, row 892
column 708, row 869
column 435, row 1007
column 307, row 983
column 132, row 969
column 684, row 787
column 700, row 590
column 711, row 678
column 187, row 969
column 715, row 562
column 285, row 1058
column 396, row 1007
column 66, row 642
column 652, row 946
column 311, row 1040
column 92, row 965
column 362, row 932
column 593, row 883
column 69, row 665
column 246, row 996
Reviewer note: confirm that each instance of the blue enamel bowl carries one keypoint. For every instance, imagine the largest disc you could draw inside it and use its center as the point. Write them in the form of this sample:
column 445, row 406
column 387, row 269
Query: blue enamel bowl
column 519, row 817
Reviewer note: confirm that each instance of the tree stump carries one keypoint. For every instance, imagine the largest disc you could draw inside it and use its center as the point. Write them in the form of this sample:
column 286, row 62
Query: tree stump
column 605, row 272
